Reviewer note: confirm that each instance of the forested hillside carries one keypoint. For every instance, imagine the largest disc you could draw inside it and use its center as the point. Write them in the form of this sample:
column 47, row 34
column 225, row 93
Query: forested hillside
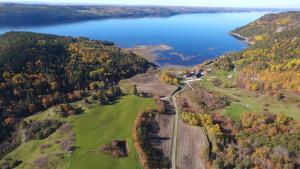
column 258, row 127
column 30, row 14
column 269, row 24
column 39, row 70
column 273, row 62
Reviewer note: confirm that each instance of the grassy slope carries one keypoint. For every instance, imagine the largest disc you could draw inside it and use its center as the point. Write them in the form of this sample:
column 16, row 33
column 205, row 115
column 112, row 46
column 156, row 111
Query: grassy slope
column 30, row 151
column 95, row 126
column 249, row 101
column 102, row 124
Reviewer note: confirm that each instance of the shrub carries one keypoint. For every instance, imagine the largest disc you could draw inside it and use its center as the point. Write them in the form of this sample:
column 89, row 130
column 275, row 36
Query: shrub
column 41, row 162
column 161, row 107
column 66, row 110
column 169, row 78
column 280, row 96
column 68, row 144
column 9, row 163
column 65, row 128
column 39, row 129
column 216, row 82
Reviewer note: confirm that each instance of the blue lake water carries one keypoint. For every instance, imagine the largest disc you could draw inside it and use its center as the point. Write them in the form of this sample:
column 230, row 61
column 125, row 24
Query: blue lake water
column 193, row 37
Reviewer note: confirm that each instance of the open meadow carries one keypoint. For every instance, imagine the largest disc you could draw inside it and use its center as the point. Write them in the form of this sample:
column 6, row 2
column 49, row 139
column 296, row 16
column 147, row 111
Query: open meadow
column 95, row 126
column 243, row 100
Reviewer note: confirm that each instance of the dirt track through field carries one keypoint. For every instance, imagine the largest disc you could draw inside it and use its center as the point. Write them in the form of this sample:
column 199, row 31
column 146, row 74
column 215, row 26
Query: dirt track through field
column 187, row 142
column 192, row 141
column 165, row 122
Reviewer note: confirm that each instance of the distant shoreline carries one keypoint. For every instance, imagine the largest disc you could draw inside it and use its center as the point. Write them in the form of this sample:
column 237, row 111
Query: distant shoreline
column 19, row 15
column 243, row 38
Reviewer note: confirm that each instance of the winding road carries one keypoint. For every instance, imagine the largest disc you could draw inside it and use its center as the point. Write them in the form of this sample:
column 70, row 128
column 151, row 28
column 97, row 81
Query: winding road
column 175, row 128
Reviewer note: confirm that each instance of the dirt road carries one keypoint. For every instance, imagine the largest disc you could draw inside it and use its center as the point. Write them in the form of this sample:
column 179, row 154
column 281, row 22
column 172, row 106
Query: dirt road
column 175, row 129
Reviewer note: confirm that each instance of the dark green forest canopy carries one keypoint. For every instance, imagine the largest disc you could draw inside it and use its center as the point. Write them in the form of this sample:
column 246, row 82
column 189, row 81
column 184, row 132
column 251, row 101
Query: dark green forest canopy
column 19, row 51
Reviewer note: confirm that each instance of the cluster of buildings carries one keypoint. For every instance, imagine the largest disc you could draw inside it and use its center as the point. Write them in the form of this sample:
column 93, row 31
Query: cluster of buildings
column 197, row 73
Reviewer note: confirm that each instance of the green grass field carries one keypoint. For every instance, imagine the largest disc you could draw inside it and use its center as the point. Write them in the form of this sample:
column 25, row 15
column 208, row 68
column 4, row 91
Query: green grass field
column 99, row 126
column 235, row 110
column 96, row 126
column 30, row 151
column 249, row 101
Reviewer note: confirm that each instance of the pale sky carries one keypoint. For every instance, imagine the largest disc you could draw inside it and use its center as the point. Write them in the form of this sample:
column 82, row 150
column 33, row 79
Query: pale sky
column 204, row 3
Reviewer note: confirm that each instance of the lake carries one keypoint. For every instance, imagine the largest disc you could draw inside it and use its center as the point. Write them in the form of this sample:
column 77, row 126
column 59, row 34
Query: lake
column 192, row 38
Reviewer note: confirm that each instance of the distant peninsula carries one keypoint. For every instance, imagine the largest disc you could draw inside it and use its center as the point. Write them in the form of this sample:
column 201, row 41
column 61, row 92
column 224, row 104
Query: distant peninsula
column 14, row 14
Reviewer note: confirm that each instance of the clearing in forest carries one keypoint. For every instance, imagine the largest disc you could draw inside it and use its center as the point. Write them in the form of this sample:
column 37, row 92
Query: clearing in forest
column 95, row 126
